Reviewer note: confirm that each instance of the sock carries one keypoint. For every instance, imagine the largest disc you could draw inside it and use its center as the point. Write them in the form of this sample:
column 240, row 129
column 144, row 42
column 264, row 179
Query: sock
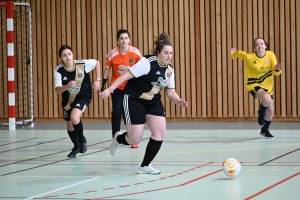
column 151, row 151
column 79, row 130
column 74, row 138
column 266, row 126
column 121, row 139
column 262, row 109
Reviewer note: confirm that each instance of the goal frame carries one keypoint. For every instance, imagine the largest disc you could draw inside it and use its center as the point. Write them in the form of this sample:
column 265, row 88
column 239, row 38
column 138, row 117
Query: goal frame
column 10, row 5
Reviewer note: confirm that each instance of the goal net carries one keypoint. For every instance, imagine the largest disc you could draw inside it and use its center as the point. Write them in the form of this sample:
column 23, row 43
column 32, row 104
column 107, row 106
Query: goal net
column 22, row 62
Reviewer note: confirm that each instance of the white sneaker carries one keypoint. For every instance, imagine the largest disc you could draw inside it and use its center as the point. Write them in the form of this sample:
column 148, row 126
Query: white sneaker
column 114, row 146
column 148, row 170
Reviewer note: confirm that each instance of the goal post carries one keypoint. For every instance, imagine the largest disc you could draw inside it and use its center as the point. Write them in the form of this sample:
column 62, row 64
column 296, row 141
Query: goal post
column 16, row 87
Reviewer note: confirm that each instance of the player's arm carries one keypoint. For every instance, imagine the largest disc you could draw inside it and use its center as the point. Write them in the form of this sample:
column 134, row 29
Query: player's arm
column 59, row 88
column 121, row 79
column 238, row 54
column 276, row 67
column 105, row 77
column 173, row 96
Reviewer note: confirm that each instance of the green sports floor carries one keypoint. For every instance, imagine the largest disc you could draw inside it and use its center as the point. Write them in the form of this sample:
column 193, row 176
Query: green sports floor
column 34, row 164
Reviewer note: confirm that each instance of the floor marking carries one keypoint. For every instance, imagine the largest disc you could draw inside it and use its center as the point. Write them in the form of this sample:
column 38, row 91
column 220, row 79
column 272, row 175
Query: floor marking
column 18, row 141
column 279, row 157
column 62, row 188
column 276, row 169
column 274, row 185
column 165, row 188
column 32, row 145
column 162, row 178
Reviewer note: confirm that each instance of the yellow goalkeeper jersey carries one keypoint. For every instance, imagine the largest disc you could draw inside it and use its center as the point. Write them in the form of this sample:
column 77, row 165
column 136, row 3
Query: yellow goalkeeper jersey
column 259, row 70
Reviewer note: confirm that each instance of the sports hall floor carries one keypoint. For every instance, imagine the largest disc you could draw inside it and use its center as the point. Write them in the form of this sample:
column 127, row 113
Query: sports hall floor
column 34, row 164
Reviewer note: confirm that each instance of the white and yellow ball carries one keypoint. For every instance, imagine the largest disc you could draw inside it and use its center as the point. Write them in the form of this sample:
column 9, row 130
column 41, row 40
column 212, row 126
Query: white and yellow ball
column 231, row 167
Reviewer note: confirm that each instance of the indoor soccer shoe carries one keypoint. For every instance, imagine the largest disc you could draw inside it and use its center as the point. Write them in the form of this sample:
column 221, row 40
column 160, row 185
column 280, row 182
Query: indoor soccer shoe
column 261, row 119
column 73, row 153
column 148, row 170
column 266, row 134
column 114, row 146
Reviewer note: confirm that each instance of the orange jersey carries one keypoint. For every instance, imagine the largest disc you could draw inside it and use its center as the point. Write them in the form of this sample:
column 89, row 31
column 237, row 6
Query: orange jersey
column 115, row 59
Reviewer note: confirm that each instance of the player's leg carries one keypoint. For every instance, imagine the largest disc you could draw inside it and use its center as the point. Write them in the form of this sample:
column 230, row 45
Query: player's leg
column 156, row 121
column 134, row 118
column 116, row 113
column 268, row 118
column 78, row 126
column 266, row 100
column 72, row 134
column 157, row 126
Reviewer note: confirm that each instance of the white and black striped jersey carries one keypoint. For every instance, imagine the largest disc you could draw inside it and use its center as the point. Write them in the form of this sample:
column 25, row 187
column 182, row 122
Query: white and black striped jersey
column 149, row 78
column 63, row 76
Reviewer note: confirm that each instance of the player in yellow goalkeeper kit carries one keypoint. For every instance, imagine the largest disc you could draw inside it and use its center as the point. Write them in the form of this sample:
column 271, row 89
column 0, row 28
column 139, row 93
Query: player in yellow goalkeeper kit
column 260, row 67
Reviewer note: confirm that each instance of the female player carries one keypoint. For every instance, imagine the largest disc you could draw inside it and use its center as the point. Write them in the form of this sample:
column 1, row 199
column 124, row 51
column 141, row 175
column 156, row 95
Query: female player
column 122, row 55
column 260, row 67
column 72, row 80
column 142, row 101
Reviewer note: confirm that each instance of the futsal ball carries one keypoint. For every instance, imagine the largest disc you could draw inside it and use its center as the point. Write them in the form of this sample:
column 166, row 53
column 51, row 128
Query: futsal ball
column 231, row 167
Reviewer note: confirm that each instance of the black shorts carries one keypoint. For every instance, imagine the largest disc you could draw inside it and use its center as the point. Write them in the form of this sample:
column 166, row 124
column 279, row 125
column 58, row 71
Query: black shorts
column 253, row 92
column 135, row 110
column 79, row 105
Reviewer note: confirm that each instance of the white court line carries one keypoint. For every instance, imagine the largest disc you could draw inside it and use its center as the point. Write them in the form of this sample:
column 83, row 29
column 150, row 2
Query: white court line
column 61, row 188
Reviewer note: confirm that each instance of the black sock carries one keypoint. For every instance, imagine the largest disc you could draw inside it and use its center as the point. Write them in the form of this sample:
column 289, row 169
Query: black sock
column 151, row 151
column 121, row 139
column 262, row 109
column 79, row 130
column 74, row 138
column 266, row 126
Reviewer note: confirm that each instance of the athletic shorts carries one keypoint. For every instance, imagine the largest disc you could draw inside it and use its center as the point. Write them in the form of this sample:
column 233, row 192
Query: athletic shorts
column 253, row 92
column 135, row 110
column 79, row 105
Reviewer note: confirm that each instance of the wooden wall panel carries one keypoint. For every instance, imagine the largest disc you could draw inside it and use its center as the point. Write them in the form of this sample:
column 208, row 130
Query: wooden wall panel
column 202, row 33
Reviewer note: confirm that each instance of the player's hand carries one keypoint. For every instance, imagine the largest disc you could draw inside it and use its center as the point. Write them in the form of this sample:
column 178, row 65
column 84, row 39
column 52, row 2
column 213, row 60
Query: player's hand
column 278, row 66
column 105, row 93
column 71, row 84
column 233, row 50
column 183, row 103
column 96, row 85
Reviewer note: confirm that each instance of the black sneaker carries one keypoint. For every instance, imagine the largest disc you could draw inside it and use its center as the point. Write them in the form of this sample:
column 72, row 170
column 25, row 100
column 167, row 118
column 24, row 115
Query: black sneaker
column 73, row 153
column 83, row 146
column 266, row 134
column 261, row 119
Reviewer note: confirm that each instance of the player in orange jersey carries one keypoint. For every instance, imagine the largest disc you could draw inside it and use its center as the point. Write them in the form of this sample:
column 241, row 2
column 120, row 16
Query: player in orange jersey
column 122, row 55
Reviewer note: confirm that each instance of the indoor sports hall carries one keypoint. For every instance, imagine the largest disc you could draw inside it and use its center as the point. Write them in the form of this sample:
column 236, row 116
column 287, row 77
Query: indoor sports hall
column 234, row 65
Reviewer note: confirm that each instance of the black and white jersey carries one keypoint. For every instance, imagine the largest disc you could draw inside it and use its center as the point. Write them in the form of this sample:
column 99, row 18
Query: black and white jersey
column 149, row 78
column 63, row 76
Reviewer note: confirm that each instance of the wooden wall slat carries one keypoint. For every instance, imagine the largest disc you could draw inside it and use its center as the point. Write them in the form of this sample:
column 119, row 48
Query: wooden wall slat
column 49, row 60
column 297, row 55
column 202, row 63
column 219, row 89
column 202, row 33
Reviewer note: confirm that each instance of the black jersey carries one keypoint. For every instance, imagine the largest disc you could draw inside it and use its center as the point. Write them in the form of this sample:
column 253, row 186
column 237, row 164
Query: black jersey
column 63, row 76
column 149, row 78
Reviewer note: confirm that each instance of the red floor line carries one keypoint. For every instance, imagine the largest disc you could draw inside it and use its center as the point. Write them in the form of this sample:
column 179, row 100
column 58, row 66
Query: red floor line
column 165, row 188
column 274, row 185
